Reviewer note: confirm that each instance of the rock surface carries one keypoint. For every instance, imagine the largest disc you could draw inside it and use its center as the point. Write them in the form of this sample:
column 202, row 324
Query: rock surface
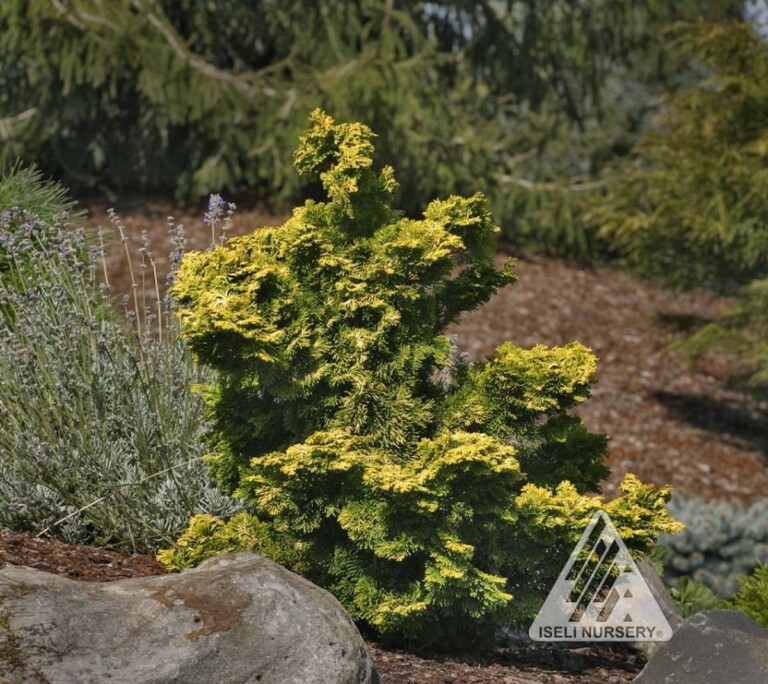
column 711, row 647
column 665, row 601
column 235, row 618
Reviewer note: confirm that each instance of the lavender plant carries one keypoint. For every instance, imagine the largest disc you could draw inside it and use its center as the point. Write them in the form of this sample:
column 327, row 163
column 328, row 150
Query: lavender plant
column 99, row 426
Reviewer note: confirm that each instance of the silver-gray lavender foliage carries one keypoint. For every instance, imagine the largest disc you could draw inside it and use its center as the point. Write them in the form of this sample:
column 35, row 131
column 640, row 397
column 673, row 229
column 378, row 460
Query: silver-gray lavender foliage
column 89, row 411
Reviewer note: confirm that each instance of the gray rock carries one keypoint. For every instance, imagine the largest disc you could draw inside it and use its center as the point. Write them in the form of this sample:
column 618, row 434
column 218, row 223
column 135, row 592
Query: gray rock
column 665, row 601
column 711, row 647
column 235, row 618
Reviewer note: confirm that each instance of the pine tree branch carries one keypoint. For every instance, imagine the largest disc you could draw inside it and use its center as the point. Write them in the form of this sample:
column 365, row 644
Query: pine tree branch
column 76, row 17
column 67, row 13
column 176, row 44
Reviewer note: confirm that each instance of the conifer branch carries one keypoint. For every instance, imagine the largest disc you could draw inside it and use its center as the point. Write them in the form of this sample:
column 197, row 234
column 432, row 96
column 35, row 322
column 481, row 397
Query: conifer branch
column 196, row 62
column 7, row 123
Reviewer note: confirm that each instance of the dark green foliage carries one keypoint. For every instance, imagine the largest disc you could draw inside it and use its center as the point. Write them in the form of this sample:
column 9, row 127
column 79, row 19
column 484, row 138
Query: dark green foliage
column 692, row 211
column 528, row 101
column 721, row 541
column 429, row 495
column 692, row 597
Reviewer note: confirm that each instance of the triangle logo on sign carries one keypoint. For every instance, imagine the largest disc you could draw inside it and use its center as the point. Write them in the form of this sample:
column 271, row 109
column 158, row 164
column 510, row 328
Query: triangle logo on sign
column 600, row 594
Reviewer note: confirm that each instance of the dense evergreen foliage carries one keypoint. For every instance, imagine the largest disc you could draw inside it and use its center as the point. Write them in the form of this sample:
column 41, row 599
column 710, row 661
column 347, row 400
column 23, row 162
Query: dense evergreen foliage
column 752, row 597
column 693, row 211
column 436, row 499
column 526, row 100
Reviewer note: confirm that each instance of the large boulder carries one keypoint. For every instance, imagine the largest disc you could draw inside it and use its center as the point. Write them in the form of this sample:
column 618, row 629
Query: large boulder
column 235, row 618
column 666, row 604
column 712, row 647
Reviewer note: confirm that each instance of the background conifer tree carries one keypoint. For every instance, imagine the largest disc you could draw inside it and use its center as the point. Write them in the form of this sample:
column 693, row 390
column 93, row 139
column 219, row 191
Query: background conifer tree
column 691, row 210
column 530, row 101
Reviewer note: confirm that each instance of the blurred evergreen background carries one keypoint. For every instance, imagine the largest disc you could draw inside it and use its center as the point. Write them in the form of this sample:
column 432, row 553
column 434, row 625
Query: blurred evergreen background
column 628, row 131
column 539, row 103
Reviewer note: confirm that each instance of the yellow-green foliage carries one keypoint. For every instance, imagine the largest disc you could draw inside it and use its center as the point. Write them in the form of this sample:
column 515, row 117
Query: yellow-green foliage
column 208, row 536
column 752, row 596
column 436, row 499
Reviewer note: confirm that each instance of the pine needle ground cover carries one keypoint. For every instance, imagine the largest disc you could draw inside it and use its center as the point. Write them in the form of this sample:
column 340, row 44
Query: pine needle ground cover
column 435, row 498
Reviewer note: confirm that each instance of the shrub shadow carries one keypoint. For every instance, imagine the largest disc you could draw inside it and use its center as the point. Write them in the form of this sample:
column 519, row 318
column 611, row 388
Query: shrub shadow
column 732, row 420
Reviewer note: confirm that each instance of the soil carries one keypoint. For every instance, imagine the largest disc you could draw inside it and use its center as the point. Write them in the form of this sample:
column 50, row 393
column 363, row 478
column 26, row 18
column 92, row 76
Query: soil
column 670, row 422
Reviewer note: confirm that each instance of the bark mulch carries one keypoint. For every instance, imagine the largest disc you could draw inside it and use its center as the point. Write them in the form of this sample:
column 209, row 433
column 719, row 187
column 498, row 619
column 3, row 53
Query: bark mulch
column 669, row 421
column 518, row 663
column 87, row 563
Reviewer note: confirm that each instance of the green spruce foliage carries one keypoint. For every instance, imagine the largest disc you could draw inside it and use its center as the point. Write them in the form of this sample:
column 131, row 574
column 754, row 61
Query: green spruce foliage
column 436, row 499
column 692, row 211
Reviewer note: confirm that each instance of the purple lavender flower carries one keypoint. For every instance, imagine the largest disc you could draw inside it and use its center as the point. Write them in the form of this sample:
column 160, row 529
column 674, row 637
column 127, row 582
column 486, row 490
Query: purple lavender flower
column 215, row 211
column 215, row 214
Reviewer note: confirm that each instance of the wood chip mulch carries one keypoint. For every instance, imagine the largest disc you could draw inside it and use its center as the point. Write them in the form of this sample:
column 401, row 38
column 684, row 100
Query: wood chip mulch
column 87, row 563
column 669, row 421
column 519, row 663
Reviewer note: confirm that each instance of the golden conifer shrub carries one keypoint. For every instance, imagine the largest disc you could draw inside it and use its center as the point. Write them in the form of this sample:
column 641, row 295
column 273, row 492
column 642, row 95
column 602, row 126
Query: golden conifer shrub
column 435, row 498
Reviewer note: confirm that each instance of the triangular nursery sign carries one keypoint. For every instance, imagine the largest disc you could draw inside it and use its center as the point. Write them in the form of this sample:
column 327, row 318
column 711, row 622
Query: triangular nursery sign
column 600, row 594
